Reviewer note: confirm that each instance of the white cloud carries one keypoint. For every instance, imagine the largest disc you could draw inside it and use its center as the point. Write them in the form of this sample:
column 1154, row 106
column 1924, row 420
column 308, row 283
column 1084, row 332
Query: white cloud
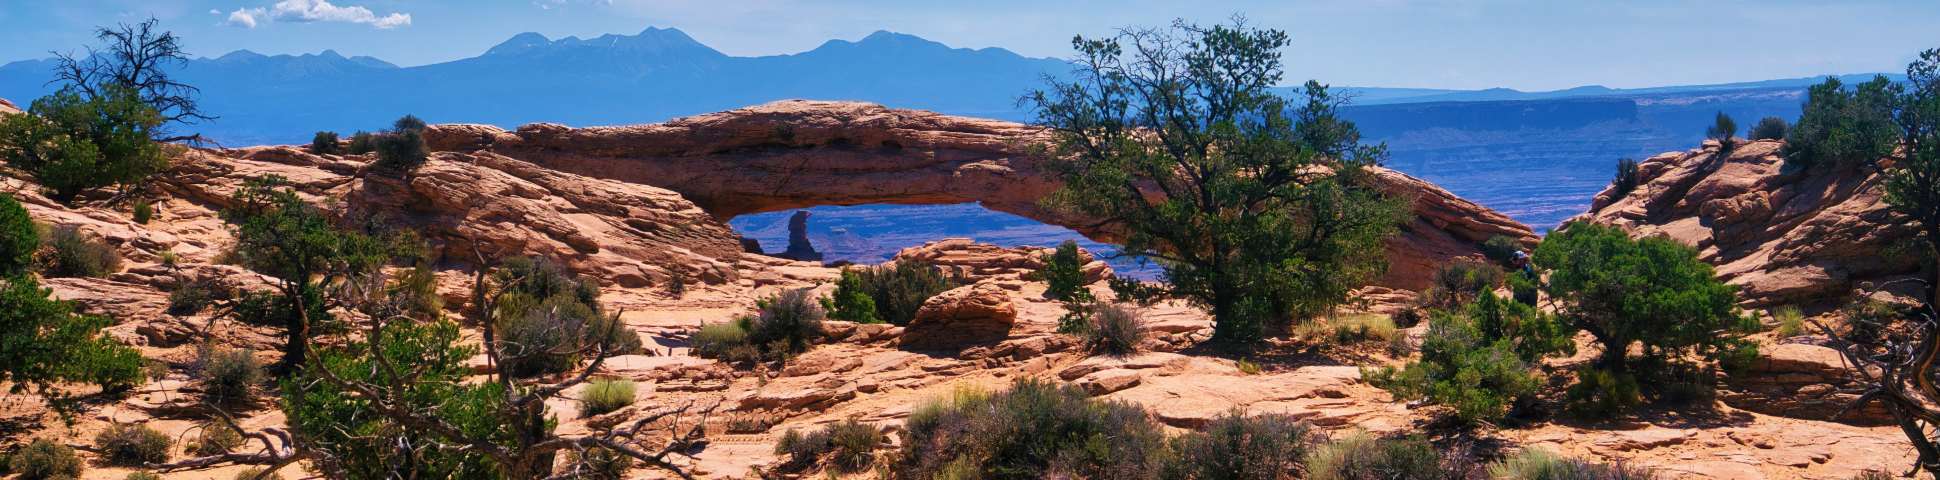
column 306, row 11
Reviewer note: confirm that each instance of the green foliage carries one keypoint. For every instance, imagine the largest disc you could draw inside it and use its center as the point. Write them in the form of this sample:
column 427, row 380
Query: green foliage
column 1349, row 329
column 71, row 253
column 851, row 301
column 1791, row 322
column 599, row 464
column 1913, row 184
column 1601, row 395
column 545, row 338
column 142, row 476
column 1722, row 129
column 190, row 298
column 72, row 142
column 280, row 235
column 785, row 323
column 1115, row 330
column 43, row 342
column 360, row 443
column 849, row 445
column 1769, row 128
column 361, row 143
column 1063, row 271
column 1459, row 282
column 1247, row 366
column 325, row 143
column 1652, row 292
column 1502, row 249
column 143, row 211
column 719, row 340
column 1033, row 430
column 1238, row 447
column 1131, row 290
column 215, row 439
column 228, row 375
column 1235, row 210
column 606, row 395
column 1843, row 126
column 45, row 460
column 408, row 123
column 896, row 291
column 1477, row 362
column 1627, row 177
column 255, row 473
column 1364, row 457
column 130, row 445
column 1525, row 288
column 19, row 237
column 401, row 150
column 1532, row 464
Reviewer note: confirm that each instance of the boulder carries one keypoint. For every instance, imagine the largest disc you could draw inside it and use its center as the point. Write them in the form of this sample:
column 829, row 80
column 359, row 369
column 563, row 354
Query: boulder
column 964, row 258
column 961, row 317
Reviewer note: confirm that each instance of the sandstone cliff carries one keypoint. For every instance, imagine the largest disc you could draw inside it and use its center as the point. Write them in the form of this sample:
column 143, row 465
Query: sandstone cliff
column 796, row 154
column 1784, row 236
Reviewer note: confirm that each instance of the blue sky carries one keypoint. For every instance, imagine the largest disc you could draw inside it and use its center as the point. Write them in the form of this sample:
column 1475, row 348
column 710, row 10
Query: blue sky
column 1524, row 44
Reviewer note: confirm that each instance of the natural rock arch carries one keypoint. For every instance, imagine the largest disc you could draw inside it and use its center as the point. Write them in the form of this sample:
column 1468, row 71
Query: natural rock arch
column 796, row 154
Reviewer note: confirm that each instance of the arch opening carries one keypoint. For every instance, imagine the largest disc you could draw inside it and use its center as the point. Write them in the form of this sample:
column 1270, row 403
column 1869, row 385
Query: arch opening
column 873, row 233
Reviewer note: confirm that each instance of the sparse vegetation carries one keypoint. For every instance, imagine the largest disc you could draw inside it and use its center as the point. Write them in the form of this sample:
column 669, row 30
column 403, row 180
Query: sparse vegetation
column 19, row 237
column 44, row 459
column 1769, row 128
column 144, row 475
column 1133, row 291
column 1722, row 129
column 1477, row 362
column 1240, row 447
column 1115, row 330
column 131, row 445
column 1063, row 271
column 1032, row 430
column 69, row 252
column 227, row 375
column 1533, row 464
column 848, row 446
column 143, row 211
column 603, row 396
column 785, row 323
column 599, row 463
column 1791, row 322
column 719, row 340
column 1459, row 282
column 361, row 143
column 325, row 143
column 191, row 297
column 215, row 439
column 256, row 473
column 1627, row 177
column 896, row 292
column 1365, row 457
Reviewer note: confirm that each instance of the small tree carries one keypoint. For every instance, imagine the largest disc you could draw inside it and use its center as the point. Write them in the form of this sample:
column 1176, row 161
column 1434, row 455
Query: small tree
column 1844, row 126
column 1769, row 128
column 18, row 238
column 1477, row 361
column 280, row 235
column 1722, row 129
column 137, row 58
column 401, row 150
column 1913, row 184
column 1258, row 209
column 1063, row 271
column 325, row 143
column 1627, row 179
column 47, row 344
column 851, row 300
column 73, row 143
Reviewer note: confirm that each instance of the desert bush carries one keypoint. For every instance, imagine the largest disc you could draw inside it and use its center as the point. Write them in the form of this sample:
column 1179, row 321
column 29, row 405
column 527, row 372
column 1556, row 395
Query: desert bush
column 1248, row 367
column 599, row 464
column 47, row 343
column 1532, row 464
column 1131, row 290
column 143, row 211
column 1364, row 457
column 1768, row 128
column 401, row 150
column 606, row 395
column 325, row 143
column 1843, row 126
column 73, row 143
column 191, row 297
column 1601, row 395
column 545, row 338
column 1791, row 322
column 1361, row 327
column 130, row 445
column 897, row 291
column 1457, row 283
column 1477, row 362
column 717, row 340
column 1627, row 178
column 786, row 323
column 71, row 253
column 1239, row 447
column 1501, row 249
column 1406, row 317
column 849, row 445
column 1063, row 271
column 45, row 460
column 1525, row 288
column 215, row 439
column 361, row 143
column 228, row 375
column 548, row 318
column 19, row 237
column 1722, row 129
column 1115, row 330
column 256, row 473
column 142, row 476
column 851, row 300
column 1033, row 430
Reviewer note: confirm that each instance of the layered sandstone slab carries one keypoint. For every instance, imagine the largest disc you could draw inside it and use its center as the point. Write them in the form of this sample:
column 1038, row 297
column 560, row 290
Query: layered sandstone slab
column 796, row 154
column 1784, row 236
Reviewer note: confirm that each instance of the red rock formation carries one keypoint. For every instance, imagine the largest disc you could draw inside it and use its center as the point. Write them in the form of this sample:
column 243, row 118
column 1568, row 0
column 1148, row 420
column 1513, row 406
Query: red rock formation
column 8, row 107
column 1783, row 236
column 796, row 154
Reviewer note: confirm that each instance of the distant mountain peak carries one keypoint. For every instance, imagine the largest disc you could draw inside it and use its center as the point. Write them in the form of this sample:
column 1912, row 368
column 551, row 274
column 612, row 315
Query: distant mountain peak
column 519, row 43
column 652, row 40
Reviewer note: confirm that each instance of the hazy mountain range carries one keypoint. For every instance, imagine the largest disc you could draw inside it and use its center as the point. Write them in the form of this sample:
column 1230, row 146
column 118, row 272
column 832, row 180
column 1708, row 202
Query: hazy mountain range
column 1537, row 156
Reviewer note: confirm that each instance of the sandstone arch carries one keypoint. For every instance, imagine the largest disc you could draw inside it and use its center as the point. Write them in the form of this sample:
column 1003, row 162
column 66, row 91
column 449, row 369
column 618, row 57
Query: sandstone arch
column 796, row 154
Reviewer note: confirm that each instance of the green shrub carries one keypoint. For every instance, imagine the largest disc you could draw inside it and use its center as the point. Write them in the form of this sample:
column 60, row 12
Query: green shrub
column 143, row 211
column 1063, row 271
column 191, row 297
column 142, row 476
column 785, row 323
column 399, row 152
column 603, row 396
column 1115, row 330
column 47, row 343
column 717, row 340
column 408, row 123
column 899, row 290
column 1361, row 327
column 1239, row 447
column 1131, row 290
column 851, row 301
column 1247, row 366
column 45, row 460
column 1791, row 322
column 1501, row 249
column 215, row 439
column 549, row 318
column 1524, row 288
column 361, row 143
column 1477, row 362
column 228, row 375
column 1841, row 126
column 325, row 143
column 256, row 473
column 849, row 445
column 1364, row 457
column 19, row 237
column 1722, row 129
column 1532, row 464
column 1601, row 395
column 599, row 464
column 71, row 253
column 1651, row 291
column 1458, row 282
column 1627, row 178
column 72, row 143
column 1033, row 430
column 543, row 339
column 131, row 445
column 1768, row 128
